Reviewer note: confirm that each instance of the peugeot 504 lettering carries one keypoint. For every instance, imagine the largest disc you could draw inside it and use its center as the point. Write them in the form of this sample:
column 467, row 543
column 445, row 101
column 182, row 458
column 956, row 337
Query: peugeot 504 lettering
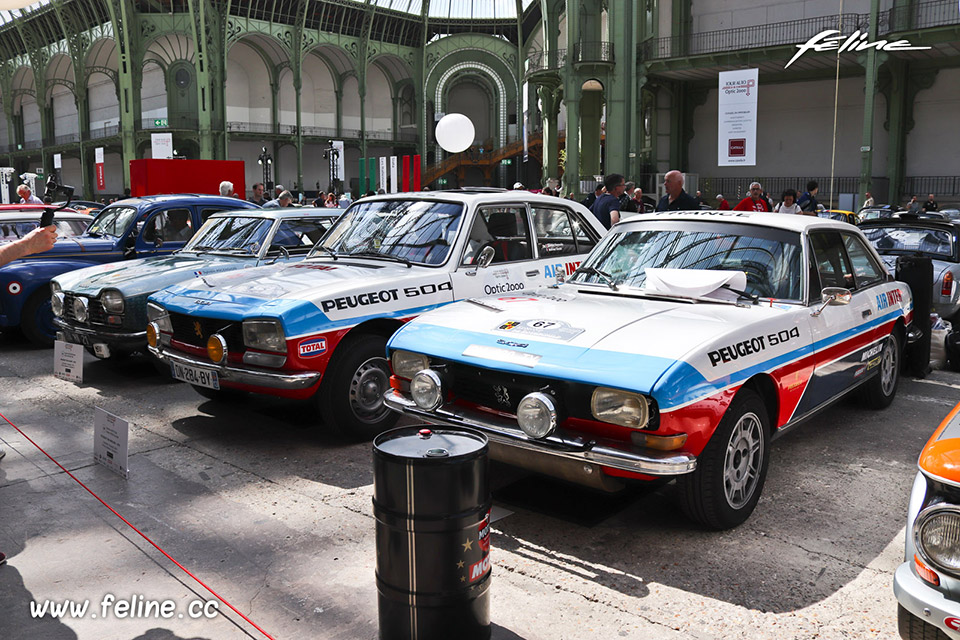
column 927, row 584
column 131, row 228
column 104, row 307
column 680, row 348
column 318, row 329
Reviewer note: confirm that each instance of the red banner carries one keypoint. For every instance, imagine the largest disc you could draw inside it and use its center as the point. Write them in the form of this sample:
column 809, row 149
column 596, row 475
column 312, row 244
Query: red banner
column 416, row 173
column 101, row 179
column 406, row 174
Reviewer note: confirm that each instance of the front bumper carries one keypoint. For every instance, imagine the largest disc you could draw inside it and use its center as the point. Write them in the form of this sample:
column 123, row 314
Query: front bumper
column 88, row 336
column 585, row 454
column 925, row 602
column 250, row 377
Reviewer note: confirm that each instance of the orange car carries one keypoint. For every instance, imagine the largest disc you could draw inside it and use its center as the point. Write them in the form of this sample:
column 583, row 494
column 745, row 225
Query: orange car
column 927, row 583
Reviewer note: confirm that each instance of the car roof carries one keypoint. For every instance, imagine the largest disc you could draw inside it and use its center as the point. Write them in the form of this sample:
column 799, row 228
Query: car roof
column 790, row 222
column 284, row 212
column 188, row 198
column 471, row 195
column 35, row 213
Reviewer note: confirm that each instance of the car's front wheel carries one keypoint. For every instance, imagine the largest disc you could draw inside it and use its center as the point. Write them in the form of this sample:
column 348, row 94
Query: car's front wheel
column 351, row 396
column 727, row 483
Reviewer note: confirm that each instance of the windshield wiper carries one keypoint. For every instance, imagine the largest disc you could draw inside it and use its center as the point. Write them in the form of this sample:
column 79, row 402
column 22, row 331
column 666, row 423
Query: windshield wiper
column 330, row 252
column 607, row 279
column 743, row 294
column 385, row 256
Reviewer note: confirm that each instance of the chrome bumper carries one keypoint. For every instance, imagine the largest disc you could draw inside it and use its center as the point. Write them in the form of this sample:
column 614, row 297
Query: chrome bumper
column 929, row 604
column 252, row 377
column 505, row 432
column 97, row 335
column 914, row 333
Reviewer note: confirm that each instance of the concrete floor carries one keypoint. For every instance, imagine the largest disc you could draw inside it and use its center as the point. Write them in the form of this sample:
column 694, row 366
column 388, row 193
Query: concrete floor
column 276, row 517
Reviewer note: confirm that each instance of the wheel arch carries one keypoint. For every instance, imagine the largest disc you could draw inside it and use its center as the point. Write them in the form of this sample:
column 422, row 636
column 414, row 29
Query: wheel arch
column 764, row 385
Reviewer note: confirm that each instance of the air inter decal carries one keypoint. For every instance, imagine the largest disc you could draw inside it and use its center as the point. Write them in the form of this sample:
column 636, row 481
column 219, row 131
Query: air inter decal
column 884, row 300
column 751, row 346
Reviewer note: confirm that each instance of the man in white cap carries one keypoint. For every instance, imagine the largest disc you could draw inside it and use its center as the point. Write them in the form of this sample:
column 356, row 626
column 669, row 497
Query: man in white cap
column 755, row 201
column 518, row 186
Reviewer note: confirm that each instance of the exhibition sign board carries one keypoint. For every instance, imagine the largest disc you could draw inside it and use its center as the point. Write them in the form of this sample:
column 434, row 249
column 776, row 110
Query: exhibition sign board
column 161, row 146
column 110, row 441
column 737, row 118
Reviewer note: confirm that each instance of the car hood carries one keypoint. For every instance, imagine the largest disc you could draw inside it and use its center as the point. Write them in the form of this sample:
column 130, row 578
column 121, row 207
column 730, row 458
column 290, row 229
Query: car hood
column 666, row 348
column 940, row 457
column 138, row 277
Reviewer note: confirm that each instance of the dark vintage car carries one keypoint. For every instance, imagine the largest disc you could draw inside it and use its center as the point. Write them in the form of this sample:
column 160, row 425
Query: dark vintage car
column 131, row 228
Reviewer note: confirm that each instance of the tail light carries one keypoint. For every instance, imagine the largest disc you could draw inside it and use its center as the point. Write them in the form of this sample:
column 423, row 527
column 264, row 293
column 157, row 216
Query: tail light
column 947, row 287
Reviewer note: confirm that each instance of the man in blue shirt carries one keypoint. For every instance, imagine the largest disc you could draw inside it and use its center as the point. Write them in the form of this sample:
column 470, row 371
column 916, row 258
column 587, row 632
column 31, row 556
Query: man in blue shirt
column 606, row 208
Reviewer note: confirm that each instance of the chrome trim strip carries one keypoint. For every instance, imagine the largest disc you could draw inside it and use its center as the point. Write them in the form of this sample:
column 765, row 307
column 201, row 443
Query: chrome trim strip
column 505, row 432
column 85, row 331
column 267, row 379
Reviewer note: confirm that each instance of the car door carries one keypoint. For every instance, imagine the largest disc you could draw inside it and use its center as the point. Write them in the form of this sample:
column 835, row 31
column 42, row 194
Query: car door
column 505, row 228
column 165, row 230
column 563, row 240
column 844, row 339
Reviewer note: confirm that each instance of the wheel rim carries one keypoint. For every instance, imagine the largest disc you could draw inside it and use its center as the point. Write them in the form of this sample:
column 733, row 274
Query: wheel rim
column 743, row 460
column 888, row 368
column 369, row 383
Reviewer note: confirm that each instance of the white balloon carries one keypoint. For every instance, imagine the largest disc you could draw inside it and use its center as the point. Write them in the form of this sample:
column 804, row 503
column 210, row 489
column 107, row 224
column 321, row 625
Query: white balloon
column 454, row 132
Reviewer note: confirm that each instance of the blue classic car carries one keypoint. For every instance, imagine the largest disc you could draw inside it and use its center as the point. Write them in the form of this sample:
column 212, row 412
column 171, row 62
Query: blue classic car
column 131, row 228
column 104, row 307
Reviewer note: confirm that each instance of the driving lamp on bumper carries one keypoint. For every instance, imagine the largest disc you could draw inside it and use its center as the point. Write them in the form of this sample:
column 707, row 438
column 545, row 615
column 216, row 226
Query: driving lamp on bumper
column 266, row 335
column 937, row 535
column 217, row 348
column 112, row 301
column 153, row 334
column 426, row 389
column 406, row 364
column 537, row 415
column 620, row 407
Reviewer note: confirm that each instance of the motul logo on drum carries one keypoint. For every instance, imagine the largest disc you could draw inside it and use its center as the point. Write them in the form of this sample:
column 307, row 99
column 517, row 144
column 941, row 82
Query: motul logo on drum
column 479, row 569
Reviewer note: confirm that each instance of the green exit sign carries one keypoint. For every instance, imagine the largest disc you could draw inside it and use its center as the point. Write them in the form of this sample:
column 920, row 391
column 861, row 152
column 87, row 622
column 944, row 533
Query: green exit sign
column 507, row 161
column 160, row 122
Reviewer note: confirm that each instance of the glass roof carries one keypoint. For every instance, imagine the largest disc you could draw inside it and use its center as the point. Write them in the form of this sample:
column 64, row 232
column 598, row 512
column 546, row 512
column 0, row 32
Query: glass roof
column 457, row 9
column 8, row 16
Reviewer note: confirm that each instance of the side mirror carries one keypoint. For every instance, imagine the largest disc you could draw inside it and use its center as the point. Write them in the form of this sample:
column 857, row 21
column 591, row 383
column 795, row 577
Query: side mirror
column 486, row 257
column 833, row 297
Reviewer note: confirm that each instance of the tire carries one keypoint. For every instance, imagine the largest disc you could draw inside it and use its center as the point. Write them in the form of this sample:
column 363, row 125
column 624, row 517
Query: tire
column 218, row 395
column 731, row 470
column 913, row 628
column 36, row 321
column 880, row 390
column 351, row 396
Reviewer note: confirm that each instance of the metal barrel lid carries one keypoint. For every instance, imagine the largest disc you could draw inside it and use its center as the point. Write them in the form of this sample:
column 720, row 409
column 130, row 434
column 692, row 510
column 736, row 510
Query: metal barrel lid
column 429, row 442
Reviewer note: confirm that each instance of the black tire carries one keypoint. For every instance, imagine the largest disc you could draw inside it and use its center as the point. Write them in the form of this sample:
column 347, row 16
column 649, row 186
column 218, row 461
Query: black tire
column 879, row 391
column 218, row 395
column 351, row 396
column 36, row 321
column 725, row 487
column 913, row 628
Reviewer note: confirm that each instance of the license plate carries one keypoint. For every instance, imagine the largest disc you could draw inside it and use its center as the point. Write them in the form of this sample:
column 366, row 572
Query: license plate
column 195, row 375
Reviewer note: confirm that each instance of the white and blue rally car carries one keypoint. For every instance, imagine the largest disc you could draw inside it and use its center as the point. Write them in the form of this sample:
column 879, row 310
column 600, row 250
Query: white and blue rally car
column 683, row 344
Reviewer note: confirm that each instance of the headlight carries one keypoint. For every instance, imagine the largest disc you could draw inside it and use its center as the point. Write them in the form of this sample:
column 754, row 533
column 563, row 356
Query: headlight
column 426, row 389
column 217, row 348
column 56, row 301
column 937, row 534
column 54, row 287
column 537, row 415
column 81, row 309
column 156, row 313
column 112, row 301
column 266, row 335
column 153, row 334
column 406, row 364
column 620, row 407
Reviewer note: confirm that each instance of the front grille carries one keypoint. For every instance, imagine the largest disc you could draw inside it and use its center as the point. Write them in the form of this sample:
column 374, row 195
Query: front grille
column 195, row 330
column 94, row 309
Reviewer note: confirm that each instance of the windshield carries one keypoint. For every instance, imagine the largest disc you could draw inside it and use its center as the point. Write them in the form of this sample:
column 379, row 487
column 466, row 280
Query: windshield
column 418, row 231
column 771, row 258
column 14, row 230
column 234, row 233
column 112, row 221
column 935, row 243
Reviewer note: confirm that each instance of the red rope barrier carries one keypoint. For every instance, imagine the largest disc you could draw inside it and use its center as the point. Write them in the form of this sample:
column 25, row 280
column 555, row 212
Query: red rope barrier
column 142, row 535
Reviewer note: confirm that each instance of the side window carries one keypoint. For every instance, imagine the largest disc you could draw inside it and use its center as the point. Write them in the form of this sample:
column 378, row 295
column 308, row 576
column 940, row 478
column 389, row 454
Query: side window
column 173, row 225
column 209, row 211
column 503, row 228
column 832, row 263
column 864, row 266
column 554, row 232
column 584, row 233
column 299, row 236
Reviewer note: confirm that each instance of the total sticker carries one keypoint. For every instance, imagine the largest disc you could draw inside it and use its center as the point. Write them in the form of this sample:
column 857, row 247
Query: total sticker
column 312, row 347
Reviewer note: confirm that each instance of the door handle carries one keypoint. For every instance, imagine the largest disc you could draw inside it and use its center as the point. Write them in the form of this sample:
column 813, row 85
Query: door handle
column 534, row 273
column 866, row 313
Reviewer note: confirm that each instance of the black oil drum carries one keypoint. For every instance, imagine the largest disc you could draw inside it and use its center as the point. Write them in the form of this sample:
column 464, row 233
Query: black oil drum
column 918, row 273
column 431, row 500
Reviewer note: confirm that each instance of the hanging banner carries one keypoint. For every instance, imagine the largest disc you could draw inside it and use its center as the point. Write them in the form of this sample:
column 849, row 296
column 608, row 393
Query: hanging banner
column 416, row 172
column 383, row 173
column 161, row 146
column 526, row 119
column 394, row 183
column 98, row 164
column 338, row 145
column 406, row 174
column 737, row 118
column 57, row 161
column 372, row 175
